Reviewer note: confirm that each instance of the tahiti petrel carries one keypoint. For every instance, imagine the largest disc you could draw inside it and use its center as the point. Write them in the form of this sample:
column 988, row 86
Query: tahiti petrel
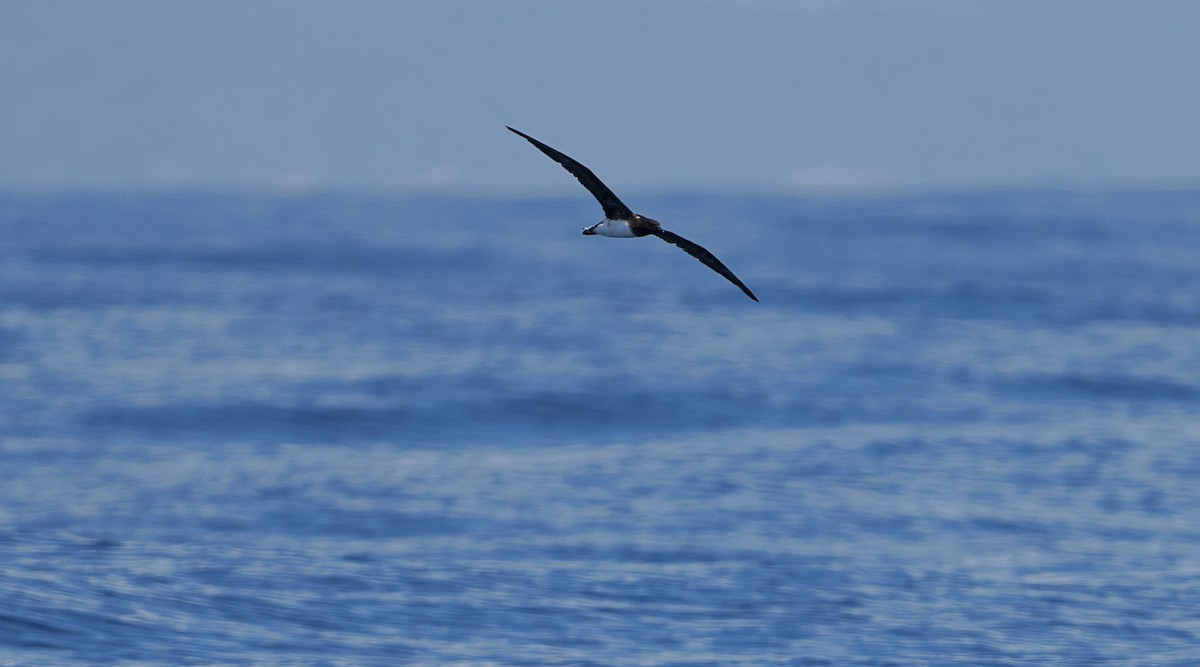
column 619, row 221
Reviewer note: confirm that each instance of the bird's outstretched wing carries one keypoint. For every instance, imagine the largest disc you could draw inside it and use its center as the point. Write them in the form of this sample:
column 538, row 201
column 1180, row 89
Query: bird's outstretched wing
column 614, row 209
column 704, row 256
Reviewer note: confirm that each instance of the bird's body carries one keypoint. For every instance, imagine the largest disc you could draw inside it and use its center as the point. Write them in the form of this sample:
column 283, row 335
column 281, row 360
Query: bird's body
column 632, row 227
column 621, row 222
column 613, row 228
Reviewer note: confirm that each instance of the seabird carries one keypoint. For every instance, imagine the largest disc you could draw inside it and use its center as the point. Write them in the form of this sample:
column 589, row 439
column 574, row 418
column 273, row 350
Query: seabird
column 620, row 221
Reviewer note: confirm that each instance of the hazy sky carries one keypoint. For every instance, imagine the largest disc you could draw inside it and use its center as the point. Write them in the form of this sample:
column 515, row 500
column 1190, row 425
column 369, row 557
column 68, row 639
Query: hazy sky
column 758, row 95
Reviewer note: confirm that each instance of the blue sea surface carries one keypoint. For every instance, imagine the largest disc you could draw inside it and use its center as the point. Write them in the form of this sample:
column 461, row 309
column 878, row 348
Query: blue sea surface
column 959, row 429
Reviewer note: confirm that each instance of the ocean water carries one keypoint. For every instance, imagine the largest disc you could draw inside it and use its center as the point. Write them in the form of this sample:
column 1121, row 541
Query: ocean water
column 960, row 429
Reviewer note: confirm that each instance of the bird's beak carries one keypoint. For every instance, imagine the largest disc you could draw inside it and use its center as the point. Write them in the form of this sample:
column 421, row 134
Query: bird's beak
column 591, row 231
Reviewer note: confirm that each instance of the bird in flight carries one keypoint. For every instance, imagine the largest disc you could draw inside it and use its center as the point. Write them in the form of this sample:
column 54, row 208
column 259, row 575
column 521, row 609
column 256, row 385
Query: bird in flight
column 620, row 221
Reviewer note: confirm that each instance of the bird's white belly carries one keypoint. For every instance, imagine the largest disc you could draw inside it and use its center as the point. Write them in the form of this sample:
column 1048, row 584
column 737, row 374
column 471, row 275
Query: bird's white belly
column 617, row 228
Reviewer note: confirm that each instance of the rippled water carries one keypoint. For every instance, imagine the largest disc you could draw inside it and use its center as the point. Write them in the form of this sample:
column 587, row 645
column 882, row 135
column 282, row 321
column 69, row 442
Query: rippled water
column 959, row 429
